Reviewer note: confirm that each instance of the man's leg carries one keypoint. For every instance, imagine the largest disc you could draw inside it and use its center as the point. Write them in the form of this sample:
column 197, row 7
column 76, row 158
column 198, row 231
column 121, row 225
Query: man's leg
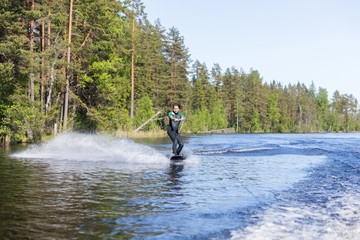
column 181, row 144
column 172, row 136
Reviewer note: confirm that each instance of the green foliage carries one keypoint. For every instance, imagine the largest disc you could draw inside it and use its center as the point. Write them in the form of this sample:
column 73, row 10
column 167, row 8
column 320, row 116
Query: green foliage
column 323, row 112
column 198, row 96
column 200, row 121
column 255, row 122
column 144, row 111
column 273, row 111
column 99, row 74
column 204, row 120
column 19, row 119
column 177, row 58
column 218, row 117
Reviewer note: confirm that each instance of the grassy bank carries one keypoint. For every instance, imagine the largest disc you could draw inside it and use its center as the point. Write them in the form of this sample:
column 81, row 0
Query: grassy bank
column 141, row 134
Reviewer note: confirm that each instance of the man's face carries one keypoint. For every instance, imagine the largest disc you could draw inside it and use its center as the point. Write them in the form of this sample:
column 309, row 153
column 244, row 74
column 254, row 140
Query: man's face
column 176, row 109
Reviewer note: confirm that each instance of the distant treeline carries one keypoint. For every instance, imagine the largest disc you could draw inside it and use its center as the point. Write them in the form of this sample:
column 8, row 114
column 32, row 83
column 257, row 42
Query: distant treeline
column 100, row 65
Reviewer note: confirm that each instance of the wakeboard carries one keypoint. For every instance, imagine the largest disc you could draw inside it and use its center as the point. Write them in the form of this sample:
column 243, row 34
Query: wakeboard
column 177, row 158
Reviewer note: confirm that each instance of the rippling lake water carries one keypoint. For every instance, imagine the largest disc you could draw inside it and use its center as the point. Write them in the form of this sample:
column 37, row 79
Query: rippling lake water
column 262, row 186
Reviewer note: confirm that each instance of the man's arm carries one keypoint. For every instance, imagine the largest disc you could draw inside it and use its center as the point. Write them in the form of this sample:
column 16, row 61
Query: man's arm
column 171, row 116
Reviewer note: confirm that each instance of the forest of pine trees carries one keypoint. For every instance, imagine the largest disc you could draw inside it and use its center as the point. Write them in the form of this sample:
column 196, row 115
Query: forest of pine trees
column 100, row 65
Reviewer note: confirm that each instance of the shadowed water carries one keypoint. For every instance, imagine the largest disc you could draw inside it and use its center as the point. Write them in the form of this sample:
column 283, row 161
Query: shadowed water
column 272, row 186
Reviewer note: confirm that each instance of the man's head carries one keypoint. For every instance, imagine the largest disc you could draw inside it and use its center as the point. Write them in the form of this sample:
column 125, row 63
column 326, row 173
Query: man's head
column 176, row 107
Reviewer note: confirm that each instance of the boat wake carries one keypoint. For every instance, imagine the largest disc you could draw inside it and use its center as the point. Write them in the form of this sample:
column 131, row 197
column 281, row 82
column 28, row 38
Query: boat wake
column 208, row 152
column 338, row 219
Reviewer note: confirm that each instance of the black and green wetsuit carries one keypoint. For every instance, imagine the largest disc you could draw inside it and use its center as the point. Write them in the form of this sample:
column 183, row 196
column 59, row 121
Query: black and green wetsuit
column 174, row 133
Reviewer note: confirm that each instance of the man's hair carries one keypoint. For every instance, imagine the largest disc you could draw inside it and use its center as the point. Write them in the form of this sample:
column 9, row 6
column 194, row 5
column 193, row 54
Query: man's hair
column 177, row 104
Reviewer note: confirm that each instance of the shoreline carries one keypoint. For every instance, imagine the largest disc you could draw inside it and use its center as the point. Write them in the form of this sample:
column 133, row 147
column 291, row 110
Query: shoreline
column 158, row 134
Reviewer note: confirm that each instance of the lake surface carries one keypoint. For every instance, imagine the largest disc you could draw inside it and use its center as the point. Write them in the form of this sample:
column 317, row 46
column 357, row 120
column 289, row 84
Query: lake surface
column 262, row 186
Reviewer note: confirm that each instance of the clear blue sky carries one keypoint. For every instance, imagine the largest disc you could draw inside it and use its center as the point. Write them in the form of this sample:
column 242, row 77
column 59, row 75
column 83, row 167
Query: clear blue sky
column 288, row 41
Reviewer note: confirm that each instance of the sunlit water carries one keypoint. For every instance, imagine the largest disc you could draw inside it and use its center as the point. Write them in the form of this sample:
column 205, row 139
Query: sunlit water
column 274, row 186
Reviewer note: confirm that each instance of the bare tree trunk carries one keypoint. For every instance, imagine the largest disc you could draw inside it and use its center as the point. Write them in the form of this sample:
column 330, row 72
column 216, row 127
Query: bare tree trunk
column 48, row 72
column 51, row 73
column 32, row 75
column 66, row 107
column 48, row 102
column 143, row 125
column 132, row 63
column 85, row 40
column 57, row 124
column 62, row 110
column 43, row 75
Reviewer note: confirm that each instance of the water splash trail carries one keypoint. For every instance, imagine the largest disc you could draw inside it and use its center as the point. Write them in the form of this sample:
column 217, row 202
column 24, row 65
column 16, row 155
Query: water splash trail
column 93, row 148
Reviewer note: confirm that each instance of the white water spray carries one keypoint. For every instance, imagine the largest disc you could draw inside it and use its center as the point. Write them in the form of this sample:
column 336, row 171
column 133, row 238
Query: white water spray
column 338, row 219
column 90, row 147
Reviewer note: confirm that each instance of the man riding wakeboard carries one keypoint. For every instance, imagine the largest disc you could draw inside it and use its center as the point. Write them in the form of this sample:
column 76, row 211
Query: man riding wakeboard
column 174, row 120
